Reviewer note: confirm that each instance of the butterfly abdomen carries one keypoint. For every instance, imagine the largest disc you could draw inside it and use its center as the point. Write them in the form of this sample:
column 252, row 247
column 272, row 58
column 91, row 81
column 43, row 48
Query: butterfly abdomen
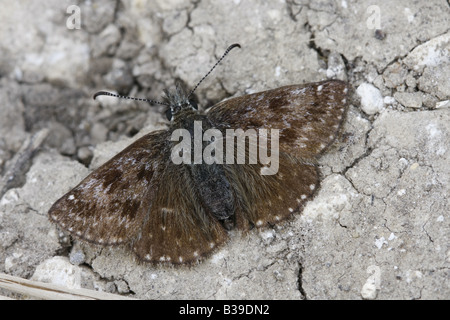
column 214, row 190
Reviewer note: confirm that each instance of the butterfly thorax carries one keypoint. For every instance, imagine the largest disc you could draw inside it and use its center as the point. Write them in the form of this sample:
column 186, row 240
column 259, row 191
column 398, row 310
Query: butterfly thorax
column 184, row 118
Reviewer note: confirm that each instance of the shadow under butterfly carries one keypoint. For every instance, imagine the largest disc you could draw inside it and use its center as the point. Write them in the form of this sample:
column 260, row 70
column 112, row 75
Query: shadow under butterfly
column 180, row 213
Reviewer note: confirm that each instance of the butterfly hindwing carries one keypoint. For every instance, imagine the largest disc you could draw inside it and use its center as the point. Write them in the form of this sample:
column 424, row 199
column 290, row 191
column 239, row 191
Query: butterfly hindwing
column 178, row 229
column 270, row 199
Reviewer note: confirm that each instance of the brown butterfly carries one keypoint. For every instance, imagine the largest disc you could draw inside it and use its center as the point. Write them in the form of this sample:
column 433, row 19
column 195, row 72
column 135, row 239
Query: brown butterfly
column 180, row 213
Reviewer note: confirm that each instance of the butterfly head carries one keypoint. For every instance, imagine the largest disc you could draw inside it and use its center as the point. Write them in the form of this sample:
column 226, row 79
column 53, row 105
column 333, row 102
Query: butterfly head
column 178, row 100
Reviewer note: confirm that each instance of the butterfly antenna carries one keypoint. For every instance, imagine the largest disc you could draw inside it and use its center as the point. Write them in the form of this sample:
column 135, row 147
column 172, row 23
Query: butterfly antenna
column 218, row 61
column 105, row 93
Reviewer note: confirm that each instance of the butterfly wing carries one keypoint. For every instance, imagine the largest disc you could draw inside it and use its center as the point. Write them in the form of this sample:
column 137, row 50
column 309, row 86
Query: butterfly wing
column 178, row 229
column 308, row 118
column 269, row 199
column 107, row 207
column 140, row 197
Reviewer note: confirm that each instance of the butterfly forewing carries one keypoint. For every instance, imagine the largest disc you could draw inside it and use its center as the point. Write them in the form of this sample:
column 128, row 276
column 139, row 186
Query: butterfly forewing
column 108, row 206
column 308, row 116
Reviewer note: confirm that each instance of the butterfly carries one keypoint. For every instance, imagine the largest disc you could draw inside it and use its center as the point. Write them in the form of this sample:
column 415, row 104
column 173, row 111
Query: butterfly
column 180, row 213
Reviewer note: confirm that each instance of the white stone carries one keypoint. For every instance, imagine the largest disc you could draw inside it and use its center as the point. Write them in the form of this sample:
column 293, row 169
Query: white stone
column 371, row 98
column 369, row 291
column 59, row 271
column 431, row 53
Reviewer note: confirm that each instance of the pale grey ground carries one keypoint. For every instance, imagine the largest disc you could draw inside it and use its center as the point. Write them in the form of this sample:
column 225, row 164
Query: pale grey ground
column 379, row 227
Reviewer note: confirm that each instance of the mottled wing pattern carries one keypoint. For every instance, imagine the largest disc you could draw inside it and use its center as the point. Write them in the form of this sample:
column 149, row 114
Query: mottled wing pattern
column 177, row 228
column 140, row 197
column 108, row 206
column 269, row 199
column 308, row 116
